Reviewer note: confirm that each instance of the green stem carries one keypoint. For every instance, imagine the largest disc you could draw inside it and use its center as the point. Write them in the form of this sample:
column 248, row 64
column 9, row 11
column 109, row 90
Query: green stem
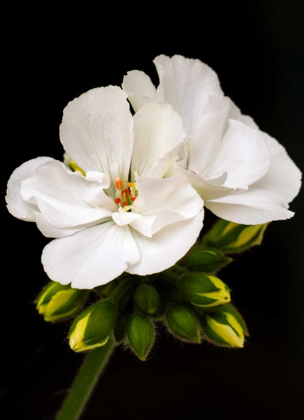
column 85, row 381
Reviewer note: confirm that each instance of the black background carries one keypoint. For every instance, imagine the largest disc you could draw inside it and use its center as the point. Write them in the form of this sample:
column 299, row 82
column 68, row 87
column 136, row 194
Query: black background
column 256, row 47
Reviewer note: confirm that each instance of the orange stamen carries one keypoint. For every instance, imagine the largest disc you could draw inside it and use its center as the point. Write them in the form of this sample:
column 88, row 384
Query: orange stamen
column 133, row 198
column 118, row 184
column 117, row 200
column 124, row 203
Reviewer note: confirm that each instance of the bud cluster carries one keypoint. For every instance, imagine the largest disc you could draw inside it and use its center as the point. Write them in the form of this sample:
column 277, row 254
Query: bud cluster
column 190, row 299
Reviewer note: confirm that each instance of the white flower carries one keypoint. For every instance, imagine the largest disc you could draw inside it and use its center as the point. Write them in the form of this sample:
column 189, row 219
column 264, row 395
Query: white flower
column 243, row 175
column 104, row 224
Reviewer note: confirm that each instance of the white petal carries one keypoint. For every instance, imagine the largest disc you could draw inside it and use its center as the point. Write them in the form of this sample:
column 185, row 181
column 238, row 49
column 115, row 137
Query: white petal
column 205, row 140
column 165, row 166
column 209, row 189
column 186, row 84
column 103, row 179
column 158, row 129
column 168, row 194
column 166, row 247
column 50, row 231
column 91, row 257
column 66, row 198
column 125, row 218
column 283, row 177
column 163, row 202
column 139, row 88
column 15, row 204
column 97, row 132
column 235, row 114
column 149, row 225
column 251, row 207
column 243, row 155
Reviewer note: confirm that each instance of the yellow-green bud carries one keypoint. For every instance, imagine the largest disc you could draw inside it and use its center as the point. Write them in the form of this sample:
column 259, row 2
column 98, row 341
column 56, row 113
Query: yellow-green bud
column 147, row 299
column 57, row 302
column 182, row 323
column 225, row 327
column 92, row 328
column 205, row 260
column 71, row 164
column 232, row 237
column 203, row 290
column 141, row 335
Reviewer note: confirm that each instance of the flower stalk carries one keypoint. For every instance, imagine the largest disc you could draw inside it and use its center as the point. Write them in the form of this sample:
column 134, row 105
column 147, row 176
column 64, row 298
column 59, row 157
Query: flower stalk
column 85, row 381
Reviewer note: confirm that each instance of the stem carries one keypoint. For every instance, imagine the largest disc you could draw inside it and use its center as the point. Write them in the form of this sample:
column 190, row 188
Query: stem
column 85, row 381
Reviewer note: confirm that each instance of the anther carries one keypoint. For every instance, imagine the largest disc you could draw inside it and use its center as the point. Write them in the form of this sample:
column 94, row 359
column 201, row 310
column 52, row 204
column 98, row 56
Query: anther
column 117, row 200
column 118, row 184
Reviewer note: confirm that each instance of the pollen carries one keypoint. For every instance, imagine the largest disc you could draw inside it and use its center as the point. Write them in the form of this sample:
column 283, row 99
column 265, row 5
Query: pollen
column 117, row 200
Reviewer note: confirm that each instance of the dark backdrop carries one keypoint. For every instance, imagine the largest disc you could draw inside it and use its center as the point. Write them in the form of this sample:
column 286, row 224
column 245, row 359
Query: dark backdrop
column 256, row 47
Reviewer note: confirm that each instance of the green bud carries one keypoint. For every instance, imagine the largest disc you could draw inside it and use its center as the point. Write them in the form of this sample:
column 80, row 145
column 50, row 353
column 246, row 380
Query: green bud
column 121, row 326
column 92, row 328
column 203, row 290
column 232, row 237
column 225, row 327
column 141, row 335
column 71, row 164
column 57, row 302
column 147, row 299
column 205, row 260
column 182, row 323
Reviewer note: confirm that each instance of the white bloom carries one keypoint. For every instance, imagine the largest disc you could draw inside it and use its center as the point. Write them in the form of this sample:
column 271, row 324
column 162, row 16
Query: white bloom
column 243, row 175
column 104, row 224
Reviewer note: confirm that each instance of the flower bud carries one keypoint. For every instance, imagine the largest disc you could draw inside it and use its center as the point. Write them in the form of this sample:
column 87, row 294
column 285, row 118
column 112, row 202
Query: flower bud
column 71, row 164
column 225, row 327
column 141, row 335
column 182, row 323
column 203, row 291
column 57, row 302
column 121, row 326
column 232, row 237
column 205, row 260
column 92, row 328
column 147, row 299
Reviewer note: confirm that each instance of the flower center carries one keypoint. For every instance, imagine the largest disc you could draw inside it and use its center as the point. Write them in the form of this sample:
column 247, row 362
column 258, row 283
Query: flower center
column 125, row 196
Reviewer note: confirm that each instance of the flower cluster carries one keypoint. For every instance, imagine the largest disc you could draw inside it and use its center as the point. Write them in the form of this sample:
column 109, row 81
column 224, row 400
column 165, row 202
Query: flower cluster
column 130, row 195
column 126, row 206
